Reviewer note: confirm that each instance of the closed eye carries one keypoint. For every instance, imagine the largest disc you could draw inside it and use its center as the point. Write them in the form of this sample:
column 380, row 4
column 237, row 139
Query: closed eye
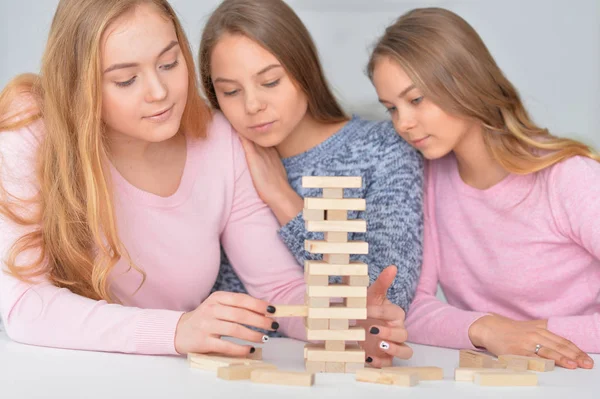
column 126, row 83
column 273, row 83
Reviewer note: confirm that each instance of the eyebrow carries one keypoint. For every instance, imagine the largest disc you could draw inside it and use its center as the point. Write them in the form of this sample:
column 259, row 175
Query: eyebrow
column 261, row 72
column 133, row 64
column 402, row 93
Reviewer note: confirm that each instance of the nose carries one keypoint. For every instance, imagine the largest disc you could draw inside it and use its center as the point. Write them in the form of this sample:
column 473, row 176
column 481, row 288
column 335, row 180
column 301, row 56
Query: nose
column 405, row 120
column 253, row 103
column 156, row 90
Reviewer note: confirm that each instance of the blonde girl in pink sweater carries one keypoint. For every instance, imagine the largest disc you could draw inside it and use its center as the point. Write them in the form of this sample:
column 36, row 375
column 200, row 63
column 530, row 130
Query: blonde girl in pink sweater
column 512, row 231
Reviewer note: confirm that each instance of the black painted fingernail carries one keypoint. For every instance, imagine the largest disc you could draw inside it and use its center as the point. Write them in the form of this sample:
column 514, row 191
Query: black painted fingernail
column 374, row 330
column 271, row 309
column 274, row 325
column 252, row 350
column 369, row 359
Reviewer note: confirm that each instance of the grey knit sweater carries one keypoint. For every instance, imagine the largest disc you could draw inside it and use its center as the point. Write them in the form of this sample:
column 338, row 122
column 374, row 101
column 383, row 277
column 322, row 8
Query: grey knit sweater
column 392, row 173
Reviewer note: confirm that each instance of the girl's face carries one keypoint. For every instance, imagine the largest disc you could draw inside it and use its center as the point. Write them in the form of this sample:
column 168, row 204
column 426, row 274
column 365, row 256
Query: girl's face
column 145, row 77
column 255, row 92
column 418, row 120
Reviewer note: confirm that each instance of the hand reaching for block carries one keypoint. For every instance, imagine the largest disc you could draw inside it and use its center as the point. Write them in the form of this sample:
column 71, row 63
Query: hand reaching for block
column 224, row 314
column 385, row 324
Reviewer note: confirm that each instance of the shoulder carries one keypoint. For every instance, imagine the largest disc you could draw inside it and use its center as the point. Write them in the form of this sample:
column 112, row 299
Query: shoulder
column 573, row 176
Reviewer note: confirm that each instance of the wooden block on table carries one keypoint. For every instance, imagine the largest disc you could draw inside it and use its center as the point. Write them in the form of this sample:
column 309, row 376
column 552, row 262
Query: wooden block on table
column 515, row 364
column 355, row 302
column 474, row 359
column 344, row 226
column 213, row 362
column 314, row 367
column 257, row 355
column 289, row 311
column 387, row 377
column 337, row 291
column 333, row 193
column 278, row 377
column 533, row 363
column 324, row 247
column 315, row 215
column 335, row 345
column 321, row 268
column 339, row 324
column 335, row 367
column 356, row 281
column 506, row 379
column 336, row 215
column 349, row 355
column 336, row 236
column 331, row 181
column 337, row 259
column 338, row 312
column 343, row 204
column 467, row 374
column 241, row 371
column 351, row 334
column 424, row 373
column 352, row 368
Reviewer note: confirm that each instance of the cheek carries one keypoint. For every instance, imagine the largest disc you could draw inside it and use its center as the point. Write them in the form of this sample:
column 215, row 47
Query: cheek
column 118, row 106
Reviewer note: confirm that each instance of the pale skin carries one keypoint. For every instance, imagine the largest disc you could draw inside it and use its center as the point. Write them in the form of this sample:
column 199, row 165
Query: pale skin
column 269, row 111
column 436, row 133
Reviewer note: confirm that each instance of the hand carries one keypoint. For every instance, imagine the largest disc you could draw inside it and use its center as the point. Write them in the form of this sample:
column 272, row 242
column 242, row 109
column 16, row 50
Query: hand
column 385, row 324
column 503, row 336
column 222, row 314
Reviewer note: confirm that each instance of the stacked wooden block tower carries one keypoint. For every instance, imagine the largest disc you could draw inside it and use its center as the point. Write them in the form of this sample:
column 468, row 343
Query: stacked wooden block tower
column 330, row 306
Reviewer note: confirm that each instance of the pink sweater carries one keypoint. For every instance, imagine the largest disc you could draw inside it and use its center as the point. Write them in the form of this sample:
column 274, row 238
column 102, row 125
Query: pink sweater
column 527, row 248
column 175, row 240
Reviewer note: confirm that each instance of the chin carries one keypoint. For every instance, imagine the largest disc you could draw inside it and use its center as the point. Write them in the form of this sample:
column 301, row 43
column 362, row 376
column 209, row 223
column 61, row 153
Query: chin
column 434, row 153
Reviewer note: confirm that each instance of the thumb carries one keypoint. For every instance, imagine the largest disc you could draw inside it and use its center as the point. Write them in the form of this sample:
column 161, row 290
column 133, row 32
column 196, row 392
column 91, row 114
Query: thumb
column 377, row 292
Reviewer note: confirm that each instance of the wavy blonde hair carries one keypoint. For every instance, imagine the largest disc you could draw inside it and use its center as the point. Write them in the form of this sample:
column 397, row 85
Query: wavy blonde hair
column 79, row 243
column 446, row 59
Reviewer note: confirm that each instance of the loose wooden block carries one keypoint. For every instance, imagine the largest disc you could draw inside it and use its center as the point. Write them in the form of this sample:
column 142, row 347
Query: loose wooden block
column 313, row 215
column 352, row 334
column 424, row 373
column 345, row 226
column 349, row 355
column 331, row 181
column 335, row 345
column 241, row 371
column 337, row 291
column 356, row 281
column 333, row 193
column 338, row 312
column 321, row 268
column 335, row 236
column 324, row 247
column 339, row 324
column 467, row 374
column 213, row 362
column 257, row 355
column 335, row 367
column 314, row 367
column 352, row 368
column 336, row 215
column 343, row 204
column 289, row 311
column 515, row 364
column 506, row 379
column 355, row 302
column 473, row 359
column 337, row 259
column 278, row 377
column 533, row 363
column 387, row 377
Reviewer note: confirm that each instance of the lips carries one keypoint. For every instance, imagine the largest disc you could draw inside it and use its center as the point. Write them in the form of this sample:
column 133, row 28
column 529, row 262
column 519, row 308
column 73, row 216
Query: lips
column 262, row 125
column 160, row 113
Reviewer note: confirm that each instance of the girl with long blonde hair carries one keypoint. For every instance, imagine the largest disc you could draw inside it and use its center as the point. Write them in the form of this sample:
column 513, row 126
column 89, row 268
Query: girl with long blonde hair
column 511, row 211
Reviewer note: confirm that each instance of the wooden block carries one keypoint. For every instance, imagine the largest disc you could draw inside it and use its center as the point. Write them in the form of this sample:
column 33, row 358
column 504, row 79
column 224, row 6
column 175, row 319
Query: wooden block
column 336, row 215
column 533, row 363
column 312, row 345
column 317, row 324
column 324, row 247
column 352, row 368
column 213, row 362
column 257, row 355
column 316, row 302
column 335, row 367
column 335, row 236
column 515, row 364
column 335, row 345
column 424, row 373
column 506, row 379
column 349, row 355
column 278, row 377
column 241, row 371
column 352, row 334
column 387, row 377
column 337, row 291
column 344, row 204
column 315, row 215
column 314, row 367
column 331, row 181
column 321, row 268
column 338, row 312
column 473, row 359
column 333, row 193
column 467, row 374
column 321, row 281
column 337, row 259
column 356, row 281
column 289, row 311
column 355, row 302
column 339, row 324
column 345, row 226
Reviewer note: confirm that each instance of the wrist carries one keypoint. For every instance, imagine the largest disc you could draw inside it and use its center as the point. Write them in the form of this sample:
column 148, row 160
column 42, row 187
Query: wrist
column 286, row 204
column 178, row 344
column 478, row 331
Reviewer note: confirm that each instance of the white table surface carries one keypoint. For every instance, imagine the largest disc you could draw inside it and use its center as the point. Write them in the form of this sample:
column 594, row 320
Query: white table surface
column 36, row 372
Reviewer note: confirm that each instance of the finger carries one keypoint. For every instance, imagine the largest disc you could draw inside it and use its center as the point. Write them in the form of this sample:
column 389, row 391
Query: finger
column 401, row 351
column 243, row 316
column 388, row 312
column 395, row 335
column 379, row 361
column 377, row 292
column 569, row 349
column 228, row 348
column 559, row 358
column 243, row 301
column 234, row 330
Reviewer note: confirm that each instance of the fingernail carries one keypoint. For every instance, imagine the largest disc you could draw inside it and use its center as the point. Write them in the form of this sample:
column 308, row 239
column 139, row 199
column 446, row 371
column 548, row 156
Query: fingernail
column 274, row 325
column 271, row 309
column 374, row 330
column 252, row 350
column 265, row 338
column 384, row 345
column 369, row 359
column 588, row 362
column 572, row 363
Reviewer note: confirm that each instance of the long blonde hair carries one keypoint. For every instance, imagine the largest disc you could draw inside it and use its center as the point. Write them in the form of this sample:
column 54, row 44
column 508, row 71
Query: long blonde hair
column 79, row 243
column 277, row 28
column 446, row 58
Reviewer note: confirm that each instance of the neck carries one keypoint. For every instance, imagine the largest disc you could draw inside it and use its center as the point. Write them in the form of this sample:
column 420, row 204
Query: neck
column 126, row 149
column 476, row 165
column 308, row 133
